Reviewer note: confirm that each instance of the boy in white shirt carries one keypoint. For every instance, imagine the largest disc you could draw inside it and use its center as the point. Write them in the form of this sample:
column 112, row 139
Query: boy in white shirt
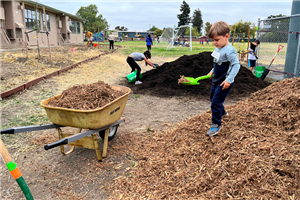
column 252, row 52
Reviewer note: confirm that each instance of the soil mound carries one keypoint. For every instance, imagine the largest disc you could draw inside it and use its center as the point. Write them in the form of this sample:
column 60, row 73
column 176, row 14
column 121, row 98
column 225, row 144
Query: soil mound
column 163, row 81
column 255, row 155
column 86, row 97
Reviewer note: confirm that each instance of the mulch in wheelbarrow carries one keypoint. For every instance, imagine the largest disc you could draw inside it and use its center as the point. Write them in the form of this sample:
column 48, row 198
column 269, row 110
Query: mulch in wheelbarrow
column 163, row 81
column 87, row 96
column 255, row 155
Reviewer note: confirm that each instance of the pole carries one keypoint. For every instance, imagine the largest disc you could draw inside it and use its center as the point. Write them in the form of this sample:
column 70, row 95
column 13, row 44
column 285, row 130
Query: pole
column 47, row 33
column 98, row 38
column 191, row 37
column 14, row 170
column 257, row 34
column 248, row 40
column 292, row 52
column 297, row 59
column 87, row 30
column 233, row 36
column 23, row 7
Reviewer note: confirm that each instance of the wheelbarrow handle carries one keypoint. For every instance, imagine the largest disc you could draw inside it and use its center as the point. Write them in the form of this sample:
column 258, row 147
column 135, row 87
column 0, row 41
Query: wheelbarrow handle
column 8, row 131
column 55, row 144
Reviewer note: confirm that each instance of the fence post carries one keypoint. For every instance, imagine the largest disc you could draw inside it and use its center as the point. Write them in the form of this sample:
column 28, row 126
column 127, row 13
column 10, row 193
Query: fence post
column 293, row 41
column 297, row 65
column 23, row 8
column 257, row 35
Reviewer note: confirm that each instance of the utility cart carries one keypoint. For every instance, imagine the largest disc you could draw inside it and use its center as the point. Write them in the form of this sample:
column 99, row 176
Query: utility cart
column 104, row 120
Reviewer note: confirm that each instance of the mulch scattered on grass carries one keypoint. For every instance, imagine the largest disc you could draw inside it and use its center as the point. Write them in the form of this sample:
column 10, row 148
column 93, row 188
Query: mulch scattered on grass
column 255, row 155
column 87, row 97
column 163, row 81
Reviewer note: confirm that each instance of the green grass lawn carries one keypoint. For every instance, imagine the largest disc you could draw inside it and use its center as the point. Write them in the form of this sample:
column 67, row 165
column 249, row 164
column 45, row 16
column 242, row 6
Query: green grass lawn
column 266, row 50
column 160, row 49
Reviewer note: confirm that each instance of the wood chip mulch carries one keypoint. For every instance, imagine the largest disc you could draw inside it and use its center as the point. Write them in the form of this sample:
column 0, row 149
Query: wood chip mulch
column 87, row 97
column 256, row 155
column 182, row 79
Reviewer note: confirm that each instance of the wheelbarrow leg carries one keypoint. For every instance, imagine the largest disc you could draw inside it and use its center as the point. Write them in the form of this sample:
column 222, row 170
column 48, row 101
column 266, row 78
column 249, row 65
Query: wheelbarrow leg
column 96, row 146
column 62, row 150
column 105, row 144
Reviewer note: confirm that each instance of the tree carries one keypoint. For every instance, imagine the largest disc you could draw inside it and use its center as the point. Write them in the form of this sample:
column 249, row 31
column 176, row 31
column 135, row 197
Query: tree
column 243, row 27
column 276, row 16
column 207, row 28
column 158, row 32
column 194, row 31
column 184, row 17
column 153, row 28
column 197, row 20
column 91, row 20
column 121, row 28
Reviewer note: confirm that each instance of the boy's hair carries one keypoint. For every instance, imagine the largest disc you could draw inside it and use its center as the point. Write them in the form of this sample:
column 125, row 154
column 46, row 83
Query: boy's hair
column 148, row 54
column 220, row 28
column 257, row 42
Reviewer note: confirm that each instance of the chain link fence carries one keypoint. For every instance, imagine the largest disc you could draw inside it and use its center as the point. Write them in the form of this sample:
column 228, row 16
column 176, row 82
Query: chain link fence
column 280, row 31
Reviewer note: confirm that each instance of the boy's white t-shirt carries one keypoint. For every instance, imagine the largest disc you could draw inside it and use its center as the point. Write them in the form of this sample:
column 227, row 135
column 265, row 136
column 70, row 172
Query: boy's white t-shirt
column 251, row 55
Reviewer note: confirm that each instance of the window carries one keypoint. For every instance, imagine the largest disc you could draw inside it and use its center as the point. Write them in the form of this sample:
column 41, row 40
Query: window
column 78, row 28
column 48, row 22
column 32, row 19
column 72, row 26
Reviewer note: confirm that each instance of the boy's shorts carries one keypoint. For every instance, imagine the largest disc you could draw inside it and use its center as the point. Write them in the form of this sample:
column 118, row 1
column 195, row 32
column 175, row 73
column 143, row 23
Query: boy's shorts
column 252, row 63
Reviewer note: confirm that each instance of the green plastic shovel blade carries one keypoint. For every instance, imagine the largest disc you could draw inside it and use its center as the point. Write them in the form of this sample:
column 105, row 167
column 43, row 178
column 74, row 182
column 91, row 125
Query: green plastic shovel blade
column 194, row 81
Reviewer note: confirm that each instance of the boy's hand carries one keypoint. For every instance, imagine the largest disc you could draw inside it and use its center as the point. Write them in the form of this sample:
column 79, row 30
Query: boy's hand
column 210, row 73
column 225, row 85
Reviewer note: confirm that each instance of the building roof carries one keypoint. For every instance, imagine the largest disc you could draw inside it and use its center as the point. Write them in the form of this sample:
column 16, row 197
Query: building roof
column 48, row 8
column 203, row 37
column 135, row 31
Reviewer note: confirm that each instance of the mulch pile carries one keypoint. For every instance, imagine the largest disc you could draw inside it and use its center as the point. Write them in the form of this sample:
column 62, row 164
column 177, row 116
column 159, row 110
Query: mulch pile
column 163, row 81
column 255, row 155
column 87, row 97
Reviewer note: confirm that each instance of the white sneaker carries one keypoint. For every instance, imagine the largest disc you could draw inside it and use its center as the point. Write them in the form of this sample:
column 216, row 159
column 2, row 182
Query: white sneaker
column 138, row 82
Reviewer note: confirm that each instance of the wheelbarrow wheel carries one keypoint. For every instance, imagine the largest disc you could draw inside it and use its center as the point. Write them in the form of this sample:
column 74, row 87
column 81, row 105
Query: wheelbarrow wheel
column 111, row 134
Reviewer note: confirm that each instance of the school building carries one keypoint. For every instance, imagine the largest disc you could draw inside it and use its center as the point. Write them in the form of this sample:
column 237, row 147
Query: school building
column 18, row 22
column 134, row 34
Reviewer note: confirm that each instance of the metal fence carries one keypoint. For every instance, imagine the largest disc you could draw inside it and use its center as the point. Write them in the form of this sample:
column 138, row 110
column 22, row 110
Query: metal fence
column 280, row 31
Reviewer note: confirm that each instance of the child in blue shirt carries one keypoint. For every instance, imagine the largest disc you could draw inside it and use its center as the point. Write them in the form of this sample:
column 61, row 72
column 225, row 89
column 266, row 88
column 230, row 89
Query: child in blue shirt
column 149, row 42
column 226, row 66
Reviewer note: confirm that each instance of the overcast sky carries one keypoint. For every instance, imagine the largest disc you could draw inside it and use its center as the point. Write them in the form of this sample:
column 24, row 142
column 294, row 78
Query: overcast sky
column 139, row 15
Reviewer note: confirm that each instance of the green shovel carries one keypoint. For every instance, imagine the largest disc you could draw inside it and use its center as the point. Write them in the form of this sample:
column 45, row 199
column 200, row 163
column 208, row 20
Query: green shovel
column 194, row 81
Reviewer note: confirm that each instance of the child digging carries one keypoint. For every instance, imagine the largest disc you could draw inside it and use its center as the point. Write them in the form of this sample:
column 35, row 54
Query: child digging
column 226, row 66
column 136, row 56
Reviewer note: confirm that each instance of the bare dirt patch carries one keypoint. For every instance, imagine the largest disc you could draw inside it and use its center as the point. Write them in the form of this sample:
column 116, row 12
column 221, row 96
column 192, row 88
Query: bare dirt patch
column 17, row 69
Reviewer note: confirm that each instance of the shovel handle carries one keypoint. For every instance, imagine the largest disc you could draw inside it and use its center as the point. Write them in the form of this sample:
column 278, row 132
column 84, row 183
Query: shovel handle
column 280, row 47
column 202, row 78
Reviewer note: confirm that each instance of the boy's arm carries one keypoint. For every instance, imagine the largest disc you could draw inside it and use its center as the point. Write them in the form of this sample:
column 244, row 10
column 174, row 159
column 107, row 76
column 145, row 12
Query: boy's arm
column 234, row 66
column 147, row 61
